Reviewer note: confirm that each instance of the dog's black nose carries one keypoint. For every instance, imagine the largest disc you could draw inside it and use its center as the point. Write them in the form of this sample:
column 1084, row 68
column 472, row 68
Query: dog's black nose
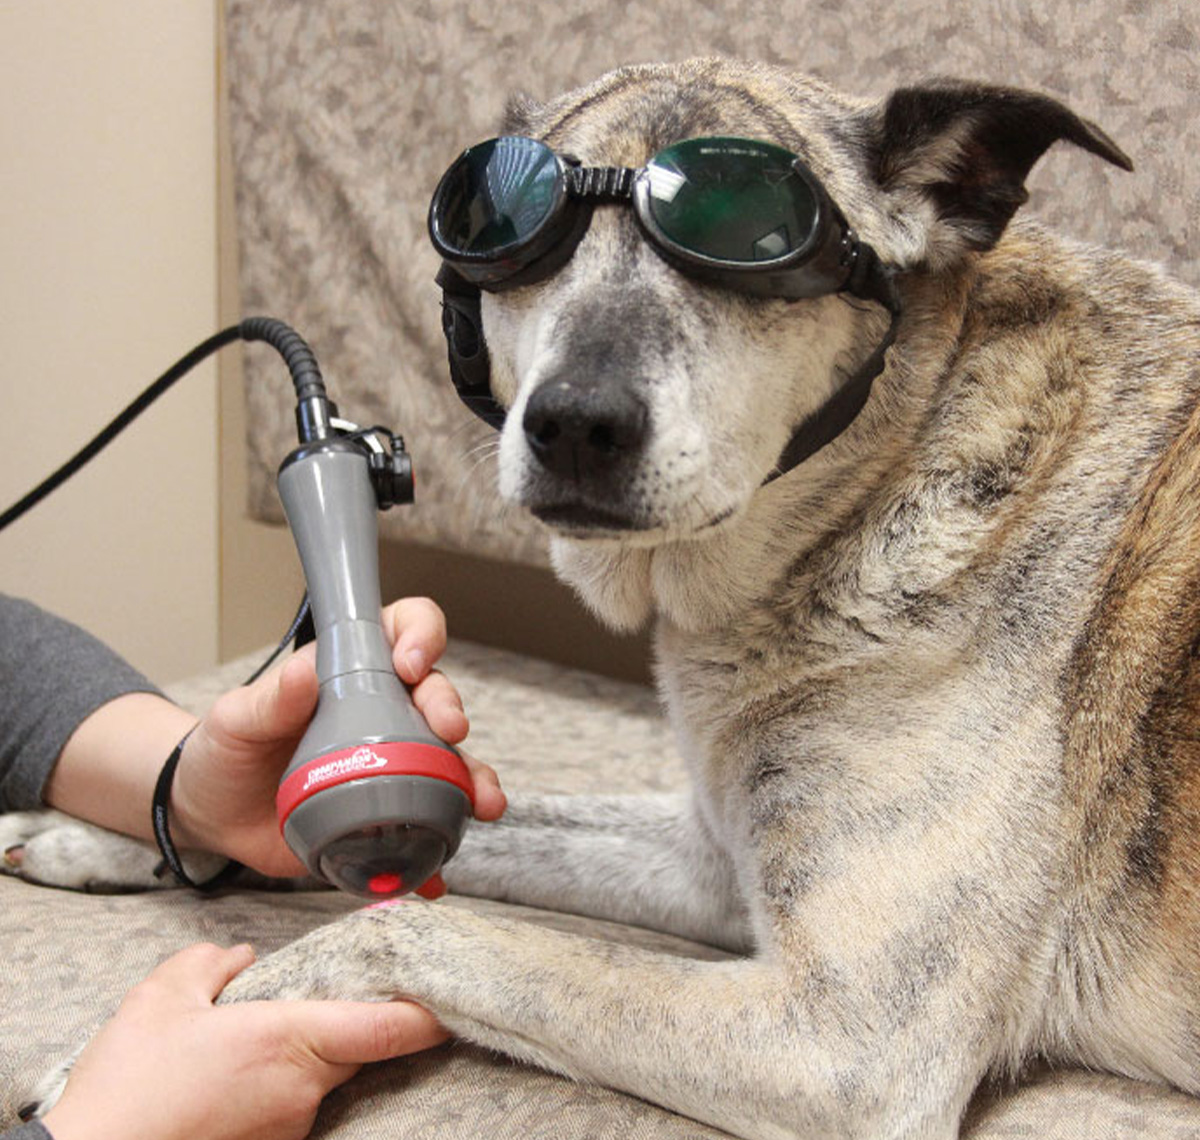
column 582, row 430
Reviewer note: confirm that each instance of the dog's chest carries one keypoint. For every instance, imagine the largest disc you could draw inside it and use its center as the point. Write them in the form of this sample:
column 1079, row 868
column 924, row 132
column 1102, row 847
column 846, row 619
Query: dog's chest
column 873, row 683
column 854, row 783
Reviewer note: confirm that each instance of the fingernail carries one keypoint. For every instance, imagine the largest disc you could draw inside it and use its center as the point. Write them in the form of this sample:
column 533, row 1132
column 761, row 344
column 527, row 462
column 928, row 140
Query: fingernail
column 417, row 665
column 434, row 889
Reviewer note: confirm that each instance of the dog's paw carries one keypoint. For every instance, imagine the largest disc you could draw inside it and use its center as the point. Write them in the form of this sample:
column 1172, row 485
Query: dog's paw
column 17, row 827
column 46, row 1092
column 56, row 850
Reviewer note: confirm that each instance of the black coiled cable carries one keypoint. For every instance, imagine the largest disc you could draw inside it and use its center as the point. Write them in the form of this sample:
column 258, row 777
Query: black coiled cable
column 306, row 373
column 306, row 376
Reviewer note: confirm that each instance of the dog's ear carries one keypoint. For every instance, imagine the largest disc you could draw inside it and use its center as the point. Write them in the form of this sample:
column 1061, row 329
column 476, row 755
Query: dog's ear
column 519, row 114
column 967, row 149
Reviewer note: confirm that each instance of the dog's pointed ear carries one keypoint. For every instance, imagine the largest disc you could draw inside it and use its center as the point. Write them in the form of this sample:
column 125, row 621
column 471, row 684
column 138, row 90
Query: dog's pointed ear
column 519, row 113
column 968, row 148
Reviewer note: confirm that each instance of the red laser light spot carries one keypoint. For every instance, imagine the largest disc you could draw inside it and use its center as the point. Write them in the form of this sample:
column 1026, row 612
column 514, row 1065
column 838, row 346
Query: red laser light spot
column 384, row 883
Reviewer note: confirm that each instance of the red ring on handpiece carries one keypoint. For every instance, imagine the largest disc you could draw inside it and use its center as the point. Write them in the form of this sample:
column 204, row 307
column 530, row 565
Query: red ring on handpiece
column 395, row 758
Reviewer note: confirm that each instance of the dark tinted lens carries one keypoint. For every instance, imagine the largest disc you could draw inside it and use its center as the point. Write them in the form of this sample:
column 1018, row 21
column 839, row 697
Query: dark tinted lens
column 497, row 194
column 731, row 199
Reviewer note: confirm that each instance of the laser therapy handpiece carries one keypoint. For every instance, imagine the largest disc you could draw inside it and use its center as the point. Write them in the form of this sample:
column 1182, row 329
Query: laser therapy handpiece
column 373, row 802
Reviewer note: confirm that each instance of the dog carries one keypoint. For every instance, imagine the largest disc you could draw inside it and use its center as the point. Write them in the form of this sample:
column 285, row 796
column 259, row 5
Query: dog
column 936, row 684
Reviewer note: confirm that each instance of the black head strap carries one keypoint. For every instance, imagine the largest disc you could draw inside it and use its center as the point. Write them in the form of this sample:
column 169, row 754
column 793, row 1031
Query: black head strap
column 470, row 368
column 870, row 281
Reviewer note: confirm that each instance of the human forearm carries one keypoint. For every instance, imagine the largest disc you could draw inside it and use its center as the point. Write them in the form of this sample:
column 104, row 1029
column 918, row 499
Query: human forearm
column 107, row 770
column 53, row 675
column 223, row 796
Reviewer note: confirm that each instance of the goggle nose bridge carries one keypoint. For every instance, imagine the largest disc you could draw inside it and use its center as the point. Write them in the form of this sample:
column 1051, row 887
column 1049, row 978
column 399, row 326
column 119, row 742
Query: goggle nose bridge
column 600, row 183
column 615, row 183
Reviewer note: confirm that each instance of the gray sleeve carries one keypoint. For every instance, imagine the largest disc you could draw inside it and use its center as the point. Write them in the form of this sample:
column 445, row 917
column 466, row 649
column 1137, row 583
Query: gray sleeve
column 34, row 1130
column 53, row 675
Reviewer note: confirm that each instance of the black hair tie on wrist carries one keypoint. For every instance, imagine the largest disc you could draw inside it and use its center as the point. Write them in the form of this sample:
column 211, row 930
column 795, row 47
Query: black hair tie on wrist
column 162, row 834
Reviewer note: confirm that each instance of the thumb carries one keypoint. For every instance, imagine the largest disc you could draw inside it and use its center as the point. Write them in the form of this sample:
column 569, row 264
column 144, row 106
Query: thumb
column 200, row 972
column 356, row 1033
column 281, row 703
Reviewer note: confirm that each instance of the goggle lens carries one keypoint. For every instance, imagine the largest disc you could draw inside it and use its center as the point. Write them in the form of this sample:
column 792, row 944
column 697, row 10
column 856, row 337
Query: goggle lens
column 732, row 200
column 497, row 195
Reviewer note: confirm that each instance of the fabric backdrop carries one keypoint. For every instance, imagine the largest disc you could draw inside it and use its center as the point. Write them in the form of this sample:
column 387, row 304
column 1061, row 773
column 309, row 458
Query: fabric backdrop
column 346, row 112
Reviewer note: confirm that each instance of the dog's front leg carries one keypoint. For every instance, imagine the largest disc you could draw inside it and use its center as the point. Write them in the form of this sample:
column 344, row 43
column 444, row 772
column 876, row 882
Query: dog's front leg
column 751, row 1046
column 57, row 850
column 642, row 859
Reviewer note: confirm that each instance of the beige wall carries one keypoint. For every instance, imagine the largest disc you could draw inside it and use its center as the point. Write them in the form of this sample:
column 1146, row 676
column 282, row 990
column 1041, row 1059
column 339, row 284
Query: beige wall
column 108, row 190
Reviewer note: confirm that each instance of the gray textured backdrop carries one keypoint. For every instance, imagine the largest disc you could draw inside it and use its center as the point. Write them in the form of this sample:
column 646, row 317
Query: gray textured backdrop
column 346, row 112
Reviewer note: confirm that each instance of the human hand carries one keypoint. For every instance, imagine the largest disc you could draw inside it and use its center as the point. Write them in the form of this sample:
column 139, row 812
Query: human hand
column 172, row 1065
column 223, row 798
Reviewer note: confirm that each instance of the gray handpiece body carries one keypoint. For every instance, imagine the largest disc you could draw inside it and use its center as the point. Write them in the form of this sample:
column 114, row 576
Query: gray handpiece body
column 330, row 506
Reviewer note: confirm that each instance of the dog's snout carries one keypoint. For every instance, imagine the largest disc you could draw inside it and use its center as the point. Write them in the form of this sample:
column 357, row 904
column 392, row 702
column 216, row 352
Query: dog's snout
column 577, row 431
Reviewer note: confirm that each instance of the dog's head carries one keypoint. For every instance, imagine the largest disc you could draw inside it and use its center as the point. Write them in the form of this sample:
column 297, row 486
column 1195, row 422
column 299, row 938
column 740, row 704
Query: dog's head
column 644, row 405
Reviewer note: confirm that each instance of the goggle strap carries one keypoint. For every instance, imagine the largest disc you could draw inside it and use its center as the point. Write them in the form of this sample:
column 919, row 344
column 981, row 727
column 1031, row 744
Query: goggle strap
column 870, row 279
column 470, row 365
column 600, row 183
column 842, row 408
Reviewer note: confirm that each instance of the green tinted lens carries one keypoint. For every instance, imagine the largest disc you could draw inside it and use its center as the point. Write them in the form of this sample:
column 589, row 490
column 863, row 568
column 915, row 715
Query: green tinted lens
column 731, row 199
column 497, row 194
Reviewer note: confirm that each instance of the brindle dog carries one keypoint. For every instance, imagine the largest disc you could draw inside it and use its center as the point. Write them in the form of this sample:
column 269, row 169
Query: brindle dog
column 937, row 685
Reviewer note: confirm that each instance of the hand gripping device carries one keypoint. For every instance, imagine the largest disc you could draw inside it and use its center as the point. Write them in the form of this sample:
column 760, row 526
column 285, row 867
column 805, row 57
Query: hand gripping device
column 372, row 801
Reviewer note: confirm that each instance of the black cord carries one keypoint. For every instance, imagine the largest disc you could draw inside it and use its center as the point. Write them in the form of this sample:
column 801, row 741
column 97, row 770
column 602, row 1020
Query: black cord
column 306, row 377
column 90, row 450
column 306, row 373
column 293, row 629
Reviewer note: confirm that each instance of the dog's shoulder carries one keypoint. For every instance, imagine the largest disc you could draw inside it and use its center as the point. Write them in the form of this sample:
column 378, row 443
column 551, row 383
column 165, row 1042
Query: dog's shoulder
column 1035, row 274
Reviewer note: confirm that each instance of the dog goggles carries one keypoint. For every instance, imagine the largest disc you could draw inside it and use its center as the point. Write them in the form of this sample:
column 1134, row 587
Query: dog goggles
column 749, row 216
column 746, row 215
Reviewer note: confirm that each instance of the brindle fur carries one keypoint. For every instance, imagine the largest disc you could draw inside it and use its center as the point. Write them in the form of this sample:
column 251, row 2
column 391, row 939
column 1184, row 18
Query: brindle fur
column 937, row 687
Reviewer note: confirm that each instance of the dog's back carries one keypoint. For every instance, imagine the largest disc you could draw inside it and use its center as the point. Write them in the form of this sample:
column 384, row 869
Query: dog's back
column 1064, row 448
column 1128, row 971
